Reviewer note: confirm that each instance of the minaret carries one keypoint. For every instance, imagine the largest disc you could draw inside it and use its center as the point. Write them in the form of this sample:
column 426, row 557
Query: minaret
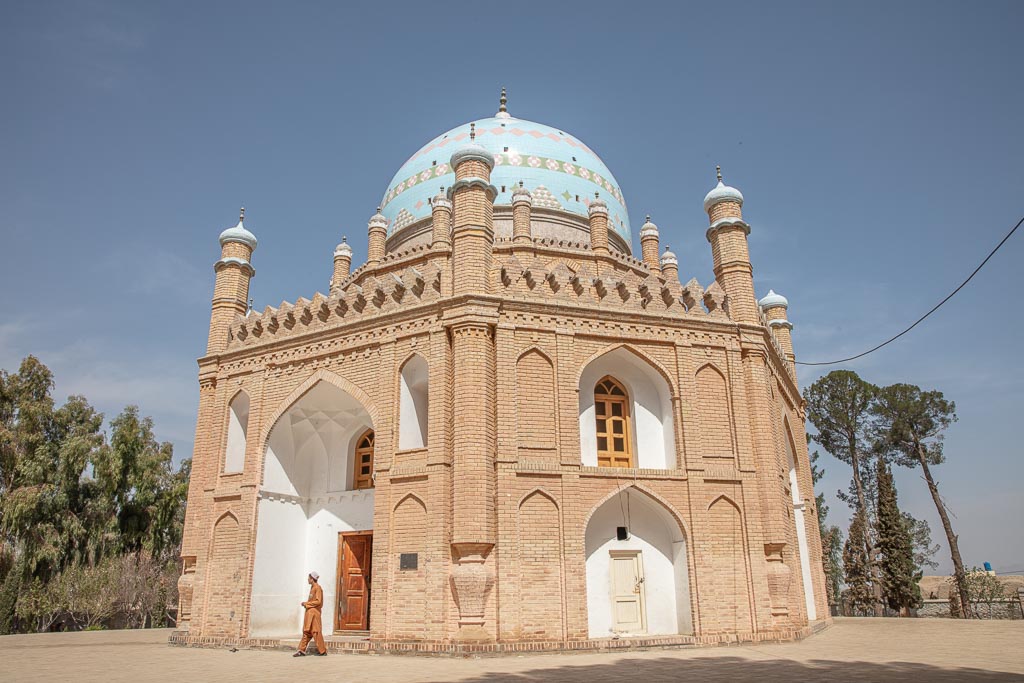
column 649, row 246
column 231, row 288
column 377, row 231
column 472, row 198
column 342, row 264
column 776, row 307
column 441, row 211
column 598, row 213
column 522, row 205
column 728, row 237
column 474, row 432
column 669, row 266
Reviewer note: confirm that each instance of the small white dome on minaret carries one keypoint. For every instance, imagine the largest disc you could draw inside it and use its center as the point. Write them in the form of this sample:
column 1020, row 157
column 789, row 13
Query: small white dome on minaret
column 773, row 300
column 648, row 229
column 722, row 193
column 668, row 258
column 238, row 233
column 343, row 249
column 378, row 220
column 521, row 194
column 472, row 150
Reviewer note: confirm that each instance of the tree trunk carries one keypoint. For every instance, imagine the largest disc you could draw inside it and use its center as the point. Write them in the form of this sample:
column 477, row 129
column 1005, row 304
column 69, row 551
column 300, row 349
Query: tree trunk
column 960, row 576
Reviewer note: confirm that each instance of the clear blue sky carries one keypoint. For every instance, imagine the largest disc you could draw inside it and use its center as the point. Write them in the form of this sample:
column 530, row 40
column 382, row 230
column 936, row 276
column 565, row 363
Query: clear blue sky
column 878, row 145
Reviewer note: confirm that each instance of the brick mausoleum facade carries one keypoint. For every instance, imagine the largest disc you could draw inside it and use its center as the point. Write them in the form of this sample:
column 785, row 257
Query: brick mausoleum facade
column 503, row 431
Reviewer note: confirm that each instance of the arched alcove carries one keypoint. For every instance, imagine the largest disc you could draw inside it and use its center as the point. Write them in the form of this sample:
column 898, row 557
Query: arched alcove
column 650, row 408
column 413, row 403
column 713, row 408
column 535, row 400
column 654, row 550
column 238, row 427
column 800, row 522
column 307, row 497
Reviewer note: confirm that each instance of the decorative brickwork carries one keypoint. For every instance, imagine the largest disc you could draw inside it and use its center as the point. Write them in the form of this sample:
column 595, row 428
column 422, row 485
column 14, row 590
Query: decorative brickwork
column 494, row 524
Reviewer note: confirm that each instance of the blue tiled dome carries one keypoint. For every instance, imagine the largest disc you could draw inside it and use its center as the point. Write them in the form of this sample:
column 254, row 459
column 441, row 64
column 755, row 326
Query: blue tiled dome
column 559, row 171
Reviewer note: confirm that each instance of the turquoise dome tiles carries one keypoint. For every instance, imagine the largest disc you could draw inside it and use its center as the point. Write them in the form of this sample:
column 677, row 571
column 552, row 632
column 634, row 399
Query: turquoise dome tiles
column 560, row 171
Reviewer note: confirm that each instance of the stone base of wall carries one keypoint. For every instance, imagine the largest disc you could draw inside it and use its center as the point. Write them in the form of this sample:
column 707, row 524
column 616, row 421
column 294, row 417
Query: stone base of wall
column 348, row 645
column 1000, row 609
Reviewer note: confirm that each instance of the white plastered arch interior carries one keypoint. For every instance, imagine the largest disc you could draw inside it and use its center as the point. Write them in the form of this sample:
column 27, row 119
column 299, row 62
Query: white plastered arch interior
column 656, row 538
column 306, row 499
column 413, row 403
column 238, row 427
column 799, row 521
column 650, row 409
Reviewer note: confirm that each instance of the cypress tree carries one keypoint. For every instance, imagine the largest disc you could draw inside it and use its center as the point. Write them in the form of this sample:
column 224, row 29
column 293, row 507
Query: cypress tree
column 898, row 572
column 856, row 568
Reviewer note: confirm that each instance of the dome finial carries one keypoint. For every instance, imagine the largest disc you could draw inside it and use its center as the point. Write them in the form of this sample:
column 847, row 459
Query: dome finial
column 472, row 131
column 648, row 218
column 241, row 214
column 503, row 100
column 718, row 172
column 520, row 183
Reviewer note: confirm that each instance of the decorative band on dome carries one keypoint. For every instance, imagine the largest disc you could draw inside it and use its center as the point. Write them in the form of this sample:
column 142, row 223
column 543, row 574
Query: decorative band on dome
column 491, row 190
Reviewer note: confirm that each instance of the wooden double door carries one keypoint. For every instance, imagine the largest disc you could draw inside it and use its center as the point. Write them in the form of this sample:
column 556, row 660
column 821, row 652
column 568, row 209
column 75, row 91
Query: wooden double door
column 355, row 551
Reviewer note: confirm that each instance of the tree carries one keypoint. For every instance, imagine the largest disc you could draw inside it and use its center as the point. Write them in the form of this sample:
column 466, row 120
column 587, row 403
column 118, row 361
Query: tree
column 898, row 573
column 838, row 405
column 921, row 538
column 982, row 588
column 912, row 423
column 831, row 539
column 857, row 571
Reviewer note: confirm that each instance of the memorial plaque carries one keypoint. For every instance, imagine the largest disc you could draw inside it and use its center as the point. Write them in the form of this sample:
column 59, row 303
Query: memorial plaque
column 409, row 561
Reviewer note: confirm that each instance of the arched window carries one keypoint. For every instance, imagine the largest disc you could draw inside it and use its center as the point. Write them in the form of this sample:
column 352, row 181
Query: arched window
column 238, row 425
column 611, row 410
column 363, row 477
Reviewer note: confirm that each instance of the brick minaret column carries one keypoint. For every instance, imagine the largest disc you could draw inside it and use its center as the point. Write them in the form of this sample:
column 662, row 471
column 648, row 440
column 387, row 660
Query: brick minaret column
column 728, row 237
column 669, row 266
column 441, row 212
column 474, row 434
column 231, row 288
column 522, row 204
column 377, row 230
column 598, row 212
column 342, row 264
column 649, row 246
column 775, row 307
column 472, row 198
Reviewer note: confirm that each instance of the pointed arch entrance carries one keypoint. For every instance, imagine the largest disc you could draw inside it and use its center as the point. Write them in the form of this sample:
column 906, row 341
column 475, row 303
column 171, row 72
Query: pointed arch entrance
column 638, row 581
column 317, row 490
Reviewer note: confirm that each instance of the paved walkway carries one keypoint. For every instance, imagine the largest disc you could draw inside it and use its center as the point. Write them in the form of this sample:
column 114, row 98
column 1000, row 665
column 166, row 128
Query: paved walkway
column 918, row 651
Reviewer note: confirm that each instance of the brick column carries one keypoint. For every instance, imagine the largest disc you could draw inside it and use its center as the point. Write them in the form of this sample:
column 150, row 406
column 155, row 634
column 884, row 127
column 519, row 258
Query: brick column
column 598, row 212
column 669, row 266
column 377, row 231
column 231, row 288
column 441, row 213
column 649, row 246
column 522, row 204
column 472, row 198
column 728, row 237
column 342, row 264
column 776, row 307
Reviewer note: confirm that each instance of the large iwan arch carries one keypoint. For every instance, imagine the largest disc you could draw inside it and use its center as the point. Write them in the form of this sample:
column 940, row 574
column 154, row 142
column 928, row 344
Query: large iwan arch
column 637, row 581
column 307, row 498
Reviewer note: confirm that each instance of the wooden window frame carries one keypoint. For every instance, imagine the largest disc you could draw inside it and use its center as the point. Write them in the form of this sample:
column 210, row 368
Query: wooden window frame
column 359, row 480
column 611, row 457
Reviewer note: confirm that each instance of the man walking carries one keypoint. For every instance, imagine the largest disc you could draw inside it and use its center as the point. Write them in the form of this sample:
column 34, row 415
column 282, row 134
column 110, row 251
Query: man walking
column 312, row 627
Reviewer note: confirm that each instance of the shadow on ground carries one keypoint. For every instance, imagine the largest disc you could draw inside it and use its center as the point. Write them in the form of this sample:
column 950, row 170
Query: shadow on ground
column 739, row 669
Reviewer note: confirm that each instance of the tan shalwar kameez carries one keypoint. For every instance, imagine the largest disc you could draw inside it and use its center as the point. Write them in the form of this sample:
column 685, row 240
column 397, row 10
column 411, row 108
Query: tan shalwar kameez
column 312, row 626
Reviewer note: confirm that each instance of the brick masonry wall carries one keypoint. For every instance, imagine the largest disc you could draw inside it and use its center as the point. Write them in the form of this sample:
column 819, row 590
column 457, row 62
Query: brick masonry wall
column 502, row 464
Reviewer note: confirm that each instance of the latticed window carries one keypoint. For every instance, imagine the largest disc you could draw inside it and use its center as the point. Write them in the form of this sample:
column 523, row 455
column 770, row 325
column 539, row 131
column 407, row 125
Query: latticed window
column 611, row 409
column 363, row 478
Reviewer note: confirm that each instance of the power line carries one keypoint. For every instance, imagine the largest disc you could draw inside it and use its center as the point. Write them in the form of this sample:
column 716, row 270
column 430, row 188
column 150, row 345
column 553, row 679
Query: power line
column 937, row 306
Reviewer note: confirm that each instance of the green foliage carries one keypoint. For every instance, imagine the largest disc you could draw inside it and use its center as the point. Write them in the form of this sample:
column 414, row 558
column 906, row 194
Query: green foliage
column 982, row 588
column 921, row 538
column 831, row 539
column 856, row 569
column 898, row 573
column 72, row 504
column 909, row 418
